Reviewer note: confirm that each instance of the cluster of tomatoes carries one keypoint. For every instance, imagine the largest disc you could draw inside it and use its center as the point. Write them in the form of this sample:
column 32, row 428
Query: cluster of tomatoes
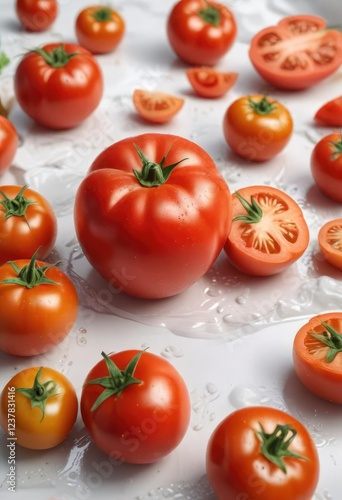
column 152, row 215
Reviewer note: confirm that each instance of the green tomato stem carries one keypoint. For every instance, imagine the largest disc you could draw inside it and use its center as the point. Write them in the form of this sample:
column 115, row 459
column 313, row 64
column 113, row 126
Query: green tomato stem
column 262, row 107
column 330, row 338
column 210, row 15
column 16, row 207
column 56, row 58
column 254, row 212
column 103, row 14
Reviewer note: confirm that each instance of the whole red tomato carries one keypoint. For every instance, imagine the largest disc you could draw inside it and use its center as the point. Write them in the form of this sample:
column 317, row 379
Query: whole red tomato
column 326, row 165
column 36, row 15
column 38, row 307
column 27, row 222
column 153, row 214
column 257, row 127
column 58, row 85
column 8, row 143
column 201, row 32
column 262, row 453
column 135, row 406
column 99, row 29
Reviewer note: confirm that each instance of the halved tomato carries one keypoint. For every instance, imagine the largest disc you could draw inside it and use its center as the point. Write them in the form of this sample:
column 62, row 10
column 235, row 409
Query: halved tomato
column 317, row 356
column 330, row 242
column 209, row 82
column 297, row 53
column 330, row 113
column 268, row 233
column 156, row 107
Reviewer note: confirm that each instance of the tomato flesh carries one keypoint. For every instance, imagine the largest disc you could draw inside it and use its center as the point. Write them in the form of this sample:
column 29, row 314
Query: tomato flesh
column 330, row 242
column 156, row 107
column 208, row 82
column 330, row 113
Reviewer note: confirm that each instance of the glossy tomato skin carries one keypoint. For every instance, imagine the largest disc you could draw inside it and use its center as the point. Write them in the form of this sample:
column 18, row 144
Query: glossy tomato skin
column 8, row 143
column 330, row 242
column 254, row 136
column 326, row 166
column 296, row 53
column 209, row 82
column 22, row 235
column 156, row 107
column 35, row 320
column 31, row 431
column 270, row 246
column 152, row 242
column 146, row 421
column 194, row 39
column 59, row 98
column 99, row 29
column 330, row 113
column 36, row 15
column 309, row 358
column 236, row 468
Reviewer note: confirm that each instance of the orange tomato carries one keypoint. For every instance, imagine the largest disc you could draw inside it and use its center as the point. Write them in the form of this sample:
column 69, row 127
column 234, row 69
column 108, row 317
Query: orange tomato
column 209, row 82
column 330, row 242
column 317, row 356
column 156, row 107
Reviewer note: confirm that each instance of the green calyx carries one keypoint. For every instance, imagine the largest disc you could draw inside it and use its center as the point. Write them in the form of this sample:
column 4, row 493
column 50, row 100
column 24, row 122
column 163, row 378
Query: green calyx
column 337, row 148
column 103, row 14
column 30, row 275
column 16, row 207
column 254, row 212
column 39, row 393
column 210, row 15
column 56, row 58
column 117, row 380
column 4, row 61
column 275, row 446
column 262, row 107
column 153, row 174
column 330, row 338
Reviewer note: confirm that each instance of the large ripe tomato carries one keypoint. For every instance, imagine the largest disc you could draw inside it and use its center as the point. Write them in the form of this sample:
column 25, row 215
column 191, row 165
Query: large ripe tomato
column 38, row 408
column 269, row 232
column 326, row 165
column 156, row 107
column 149, row 227
column 135, row 406
column 58, row 85
column 257, row 127
column 209, row 82
column 99, row 29
column 201, row 32
column 36, row 15
column 297, row 53
column 330, row 113
column 27, row 223
column 38, row 307
column 8, row 143
column 317, row 355
column 330, row 242
column 262, row 453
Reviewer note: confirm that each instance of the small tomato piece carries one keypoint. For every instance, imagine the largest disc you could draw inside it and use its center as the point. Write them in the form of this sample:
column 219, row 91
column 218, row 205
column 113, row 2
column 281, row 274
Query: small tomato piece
column 268, row 233
column 8, row 143
column 326, row 166
column 330, row 113
column 209, row 82
column 156, row 107
column 99, row 29
column 317, row 356
column 44, row 405
column 257, row 127
column 330, row 242
column 262, row 452
column 36, row 15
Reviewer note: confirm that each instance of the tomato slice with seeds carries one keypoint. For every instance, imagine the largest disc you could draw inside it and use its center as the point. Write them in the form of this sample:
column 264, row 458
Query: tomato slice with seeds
column 209, row 82
column 156, row 107
column 269, row 232
column 330, row 242
column 330, row 113
column 317, row 356
column 297, row 53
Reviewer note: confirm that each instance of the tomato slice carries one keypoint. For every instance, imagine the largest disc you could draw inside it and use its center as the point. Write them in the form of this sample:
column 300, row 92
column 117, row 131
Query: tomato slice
column 317, row 356
column 268, row 232
column 209, row 82
column 330, row 242
column 156, row 107
column 297, row 53
column 330, row 113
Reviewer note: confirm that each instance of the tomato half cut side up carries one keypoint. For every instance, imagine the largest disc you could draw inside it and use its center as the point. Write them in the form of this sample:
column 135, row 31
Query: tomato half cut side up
column 156, row 107
column 317, row 356
column 298, row 52
column 330, row 242
column 269, row 232
column 330, row 113
column 209, row 82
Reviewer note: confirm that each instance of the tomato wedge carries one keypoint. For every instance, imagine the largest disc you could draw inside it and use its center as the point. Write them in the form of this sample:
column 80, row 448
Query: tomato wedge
column 209, row 82
column 330, row 113
column 330, row 242
column 268, row 232
column 156, row 107
column 317, row 356
column 297, row 53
